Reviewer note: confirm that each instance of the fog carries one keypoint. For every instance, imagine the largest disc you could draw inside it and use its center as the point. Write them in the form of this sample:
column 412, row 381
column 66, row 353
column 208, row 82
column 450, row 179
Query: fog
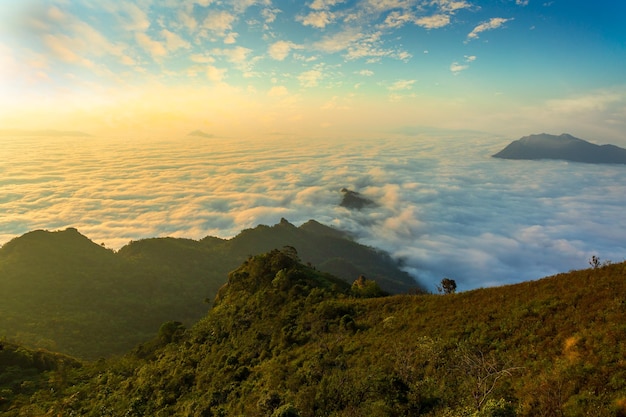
column 445, row 208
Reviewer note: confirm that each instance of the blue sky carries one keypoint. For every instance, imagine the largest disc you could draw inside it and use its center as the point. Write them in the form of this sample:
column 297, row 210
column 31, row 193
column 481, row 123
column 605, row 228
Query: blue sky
column 321, row 67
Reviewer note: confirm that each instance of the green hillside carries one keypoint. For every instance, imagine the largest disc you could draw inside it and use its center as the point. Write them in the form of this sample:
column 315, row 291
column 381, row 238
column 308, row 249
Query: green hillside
column 283, row 339
column 63, row 292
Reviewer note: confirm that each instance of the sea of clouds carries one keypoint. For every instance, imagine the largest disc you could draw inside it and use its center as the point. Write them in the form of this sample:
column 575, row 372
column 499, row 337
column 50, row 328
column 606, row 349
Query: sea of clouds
column 445, row 208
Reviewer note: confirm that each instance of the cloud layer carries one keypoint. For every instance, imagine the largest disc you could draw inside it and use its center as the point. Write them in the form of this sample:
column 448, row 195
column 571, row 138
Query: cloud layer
column 445, row 208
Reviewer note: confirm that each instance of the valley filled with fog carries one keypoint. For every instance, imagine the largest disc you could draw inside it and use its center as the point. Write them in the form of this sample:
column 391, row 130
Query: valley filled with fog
column 444, row 207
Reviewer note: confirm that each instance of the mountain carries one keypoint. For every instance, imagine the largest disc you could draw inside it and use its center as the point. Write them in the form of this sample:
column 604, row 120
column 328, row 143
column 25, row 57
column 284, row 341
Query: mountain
column 565, row 147
column 354, row 200
column 65, row 293
column 201, row 134
column 284, row 339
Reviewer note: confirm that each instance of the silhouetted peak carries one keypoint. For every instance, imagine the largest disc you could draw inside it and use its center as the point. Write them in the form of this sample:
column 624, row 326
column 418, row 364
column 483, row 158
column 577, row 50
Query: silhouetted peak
column 354, row 200
column 564, row 147
column 315, row 227
column 55, row 245
column 201, row 134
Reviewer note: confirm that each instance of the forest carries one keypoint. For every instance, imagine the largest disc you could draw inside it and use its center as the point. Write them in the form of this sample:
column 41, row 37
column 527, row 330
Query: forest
column 283, row 338
column 71, row 295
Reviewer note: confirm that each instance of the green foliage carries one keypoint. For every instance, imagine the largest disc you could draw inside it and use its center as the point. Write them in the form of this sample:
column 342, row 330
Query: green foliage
column 366, row 288
column 491, row 408
column 74, row 296
column 284, row 339
column 447, row 286
column 286, row 410
column 26, row 373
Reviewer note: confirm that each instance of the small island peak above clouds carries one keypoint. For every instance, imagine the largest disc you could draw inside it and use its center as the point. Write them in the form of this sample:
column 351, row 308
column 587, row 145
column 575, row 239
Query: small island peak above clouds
column 563, row 147
column 201, row 134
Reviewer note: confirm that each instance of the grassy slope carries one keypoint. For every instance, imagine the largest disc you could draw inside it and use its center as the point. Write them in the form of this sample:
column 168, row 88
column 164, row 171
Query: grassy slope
column 284, row 339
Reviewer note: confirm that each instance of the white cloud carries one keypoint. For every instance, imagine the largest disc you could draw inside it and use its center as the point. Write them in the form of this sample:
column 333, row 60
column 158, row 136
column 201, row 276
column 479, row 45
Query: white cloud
column 237, row 55
column 133, row 17
column 202, row 59
column 93, row 42
column 278, row 91
column 402, row 85
column 270, row 14
column 384, row 5
column 187, row 20
column 366, row 50
column 240, row 6
column 55, row 13
column 174, row 41
column 493, row 23
column 230, row 38
column 279, row 50
column 336, row 103
column 215, row 74
column 455, row 67
column 366, row 73
column 310, row 78
column 319, row 19
column 339, row 41
column 521, row 2
column 155, row 48
column 59, row 46
column 324, row 4
column 219, row 22
column 433, row 22
column 396, row 19
column 74, row 41
column 451, row 6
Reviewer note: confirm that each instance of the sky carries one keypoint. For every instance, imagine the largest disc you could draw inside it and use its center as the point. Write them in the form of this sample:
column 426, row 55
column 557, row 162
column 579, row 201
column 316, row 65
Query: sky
column 320, row 68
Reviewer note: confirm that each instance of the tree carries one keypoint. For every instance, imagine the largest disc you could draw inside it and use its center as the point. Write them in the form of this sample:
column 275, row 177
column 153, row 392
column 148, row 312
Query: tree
column 171, row 331
column 366, row 288
column 482, row 372
column 594, row 262
column 447, row 286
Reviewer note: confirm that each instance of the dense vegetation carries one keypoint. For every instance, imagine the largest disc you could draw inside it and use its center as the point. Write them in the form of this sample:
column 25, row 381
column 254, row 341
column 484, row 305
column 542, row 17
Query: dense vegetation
column 65, row 293
column 283, row 339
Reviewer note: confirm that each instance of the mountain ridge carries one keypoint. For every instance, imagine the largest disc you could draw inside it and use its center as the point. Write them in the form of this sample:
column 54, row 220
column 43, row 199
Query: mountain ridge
column 63, row 284
column 563, row 147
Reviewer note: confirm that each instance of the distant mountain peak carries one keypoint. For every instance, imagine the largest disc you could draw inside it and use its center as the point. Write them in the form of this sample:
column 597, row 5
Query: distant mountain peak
column 354, row 200
column 56, row 246
column 563, row 147
column 201, row 134
column 285, row 222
